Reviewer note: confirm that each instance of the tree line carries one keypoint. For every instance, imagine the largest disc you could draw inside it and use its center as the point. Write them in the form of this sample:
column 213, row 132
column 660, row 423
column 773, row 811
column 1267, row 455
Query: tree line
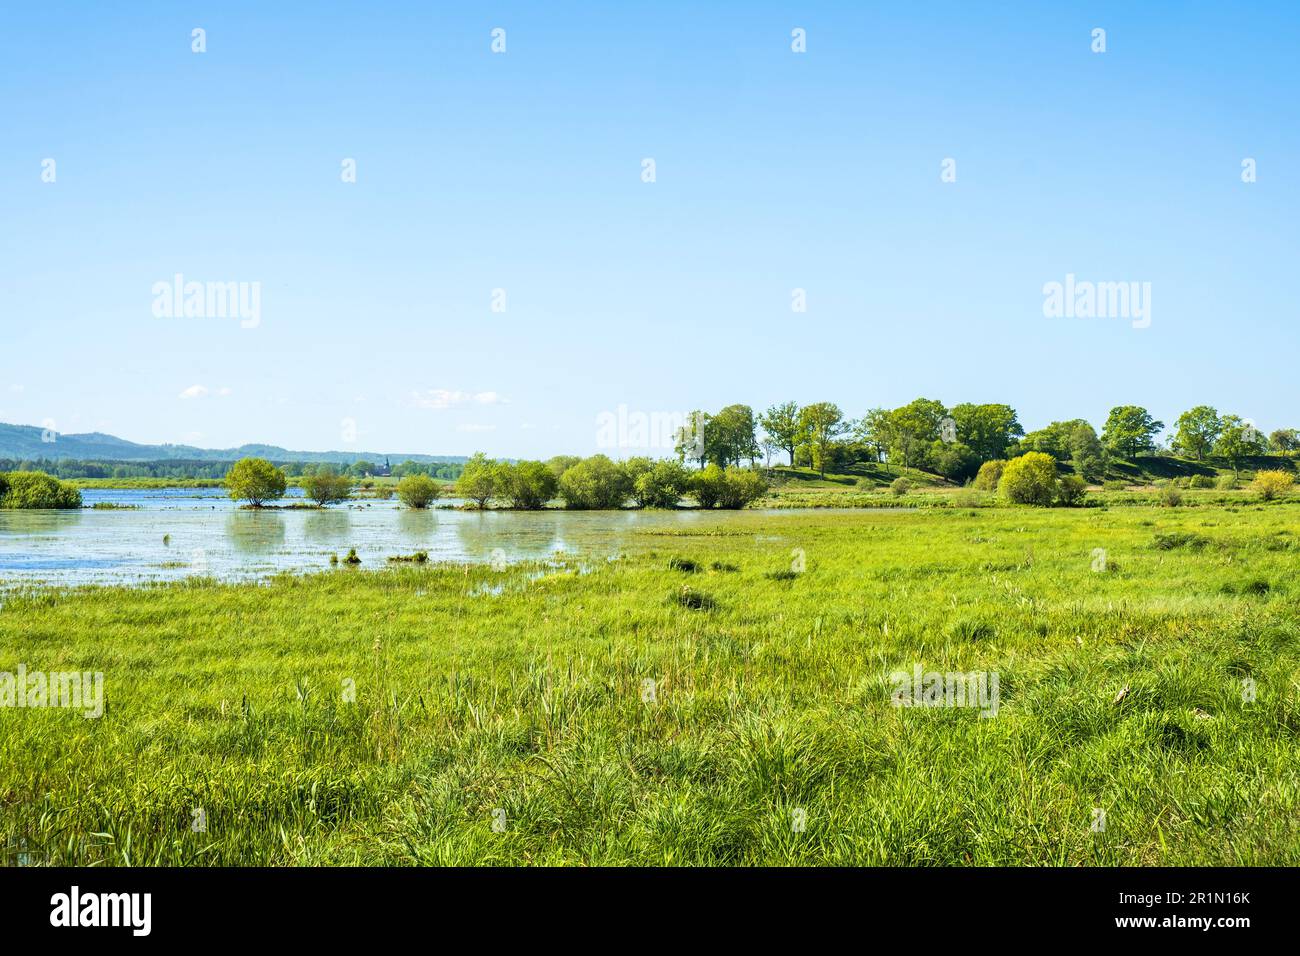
column 954, row 442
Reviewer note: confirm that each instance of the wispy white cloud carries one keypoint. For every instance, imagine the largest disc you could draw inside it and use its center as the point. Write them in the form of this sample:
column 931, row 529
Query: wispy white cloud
column 450, row 398
column 202, row 391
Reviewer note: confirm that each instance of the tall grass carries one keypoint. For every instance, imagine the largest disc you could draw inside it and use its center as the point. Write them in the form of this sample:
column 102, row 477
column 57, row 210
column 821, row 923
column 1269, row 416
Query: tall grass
column 583, row 714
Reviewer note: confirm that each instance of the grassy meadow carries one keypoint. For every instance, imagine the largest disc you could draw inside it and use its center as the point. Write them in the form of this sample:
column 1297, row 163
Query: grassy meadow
column 505, row 717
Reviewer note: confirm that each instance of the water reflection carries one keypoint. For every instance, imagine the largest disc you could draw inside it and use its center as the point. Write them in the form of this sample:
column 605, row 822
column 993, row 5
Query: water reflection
column 255, row 532
column 325, row 527
column 418, row 526
column 172, row 536
column 38, row 522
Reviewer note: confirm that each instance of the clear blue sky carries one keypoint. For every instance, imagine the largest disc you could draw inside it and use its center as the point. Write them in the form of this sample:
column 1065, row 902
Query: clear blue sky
column 522, row 171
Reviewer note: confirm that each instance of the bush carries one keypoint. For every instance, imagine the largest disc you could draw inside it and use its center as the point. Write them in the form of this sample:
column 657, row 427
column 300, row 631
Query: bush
column 418, row 491
column 528, row 484
column 741, row 487
column 990, row 474
column 1070, row 490
column 1116, row 484
column 706, row 485
column 325, row 487
column 1201, row 481
column 1272, row 484
column 256, row 481
column 1226, row 483
column 36, row 489
column 900, row 486
column 594, row 482
column 1170, row 496
column 480, row 480
column 1029, row 479
column 661, row 485
column 732, row 488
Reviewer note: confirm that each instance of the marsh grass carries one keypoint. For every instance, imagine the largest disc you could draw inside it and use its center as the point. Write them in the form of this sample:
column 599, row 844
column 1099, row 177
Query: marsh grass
column 524, row 691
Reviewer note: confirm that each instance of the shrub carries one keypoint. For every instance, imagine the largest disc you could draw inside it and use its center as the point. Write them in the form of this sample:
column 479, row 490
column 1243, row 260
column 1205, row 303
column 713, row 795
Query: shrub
column 741, row 487
column 990, row 474
column 480, row 480
column 661, row 485
column 36, row 489
column 594, row 482
column 1115, row 484
column 528, row 484
column 1272, row 484
column 864, row 484
column 418, row 491
column 900, row 486
column 1070, row 490
column 732, row 488
column 256, row 481
column 706, row 485
column 1170, row 496
column 1201, row 481
column 325, row 487
column 1226, row 483
column 1029, row 479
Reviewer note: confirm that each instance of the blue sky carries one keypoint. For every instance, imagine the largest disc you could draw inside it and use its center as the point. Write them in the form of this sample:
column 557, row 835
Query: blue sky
column 523, row 171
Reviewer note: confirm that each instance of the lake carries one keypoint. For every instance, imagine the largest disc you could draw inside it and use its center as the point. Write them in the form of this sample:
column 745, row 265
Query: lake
column 209, row 535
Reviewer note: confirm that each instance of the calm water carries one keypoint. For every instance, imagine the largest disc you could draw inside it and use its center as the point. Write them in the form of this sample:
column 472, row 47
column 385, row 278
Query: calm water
column 209, row 535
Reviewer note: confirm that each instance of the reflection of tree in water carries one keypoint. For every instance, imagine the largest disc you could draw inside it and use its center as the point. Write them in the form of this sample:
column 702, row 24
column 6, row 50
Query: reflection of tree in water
column 416, row 525
column 521, row 535
column 19, row 521
column 326, row 526
column 255, row 532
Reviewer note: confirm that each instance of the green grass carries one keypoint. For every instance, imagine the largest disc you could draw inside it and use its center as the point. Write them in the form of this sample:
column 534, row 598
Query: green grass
column 525, row 691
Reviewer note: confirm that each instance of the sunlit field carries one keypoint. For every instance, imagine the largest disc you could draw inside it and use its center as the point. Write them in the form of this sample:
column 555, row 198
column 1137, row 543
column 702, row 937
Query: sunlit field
column 711, row 696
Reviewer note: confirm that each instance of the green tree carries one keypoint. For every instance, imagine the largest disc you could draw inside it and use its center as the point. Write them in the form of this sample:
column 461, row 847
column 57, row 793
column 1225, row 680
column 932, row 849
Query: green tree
column 36, row 489
column 1284, row 440
column 954, row 460
column 1237, row 441
column 480, row 480
column 1130, row 430
column 781, row 422
column 990, row 474
column 692, row 439
column 914, row 428
column 324, row 486
column 595, row 482
column 418, row 490
column 561, row 463
column 1198, row 430
column 528, row 484
column 256, row 481
column 819, row 425
column 875, row 431
column 1087, row 453
column 1029, row 479
column 731, row 435
column 661, row 485
column 987, row 429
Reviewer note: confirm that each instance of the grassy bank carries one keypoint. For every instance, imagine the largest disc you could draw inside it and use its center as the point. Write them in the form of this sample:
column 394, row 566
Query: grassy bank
column 525, row 691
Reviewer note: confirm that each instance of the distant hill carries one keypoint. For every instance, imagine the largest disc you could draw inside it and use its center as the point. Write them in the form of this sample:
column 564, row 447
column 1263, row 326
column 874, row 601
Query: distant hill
column 28, row 442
